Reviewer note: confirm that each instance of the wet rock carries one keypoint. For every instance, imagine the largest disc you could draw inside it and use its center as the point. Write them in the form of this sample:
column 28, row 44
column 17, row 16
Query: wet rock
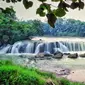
column 82, row 55
column 40, row 55
column 75, row 55
column 58, row 55
column 43, row 56
column 62, row 72
column 66, row 53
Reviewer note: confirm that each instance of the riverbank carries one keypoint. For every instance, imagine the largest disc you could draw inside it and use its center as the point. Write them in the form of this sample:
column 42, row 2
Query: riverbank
column 72, row 69
column 15, row 74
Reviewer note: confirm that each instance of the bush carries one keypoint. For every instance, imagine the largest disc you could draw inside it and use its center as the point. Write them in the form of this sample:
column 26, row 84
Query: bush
column 11, row 74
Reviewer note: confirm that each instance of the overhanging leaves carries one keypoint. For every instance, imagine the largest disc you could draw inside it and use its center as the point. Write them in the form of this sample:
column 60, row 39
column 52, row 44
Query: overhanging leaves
column 45, row 7
column 40, row 12
column 81, row 4
column 55, row 0
column 42, row 0
column 27, row 4
column 42, row 8
column 51, row 19
column 59, row 12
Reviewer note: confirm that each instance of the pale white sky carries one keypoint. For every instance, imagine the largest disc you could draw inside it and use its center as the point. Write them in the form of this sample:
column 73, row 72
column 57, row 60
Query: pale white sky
column 22, row 13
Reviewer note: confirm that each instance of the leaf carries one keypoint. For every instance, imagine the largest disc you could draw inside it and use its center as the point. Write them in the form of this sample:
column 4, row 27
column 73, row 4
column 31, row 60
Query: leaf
column 13, row 1
column 81, row 5
column 27, row 4
column 59, row 12
column 42, row 8
column 55, row 0
column 42, row 0
column 51, row 19
column 74, row 5
column 40, row 12
column 63, row 5
column 8, row 1
column 47, row 7
column 19, row 0
column 74, row 0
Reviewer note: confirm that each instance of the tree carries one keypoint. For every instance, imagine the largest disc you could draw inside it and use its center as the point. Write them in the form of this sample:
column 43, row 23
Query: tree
column 51, row 14
column 13, row 30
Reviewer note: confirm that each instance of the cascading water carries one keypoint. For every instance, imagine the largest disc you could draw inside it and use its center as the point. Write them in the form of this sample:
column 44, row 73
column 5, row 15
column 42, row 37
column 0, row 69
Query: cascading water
column 75, row 46
column 4, row 49
column 36, row 47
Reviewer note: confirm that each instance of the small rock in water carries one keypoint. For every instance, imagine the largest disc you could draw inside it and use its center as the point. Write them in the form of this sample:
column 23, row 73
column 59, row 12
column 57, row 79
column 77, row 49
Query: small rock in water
column 43, row 56
column 40, row 55
column 63, row 72
column 82, row 55
column 58, row 55
column 75, row 55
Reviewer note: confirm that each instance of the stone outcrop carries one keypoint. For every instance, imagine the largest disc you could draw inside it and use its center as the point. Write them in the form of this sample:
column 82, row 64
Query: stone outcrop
column 75, row 55
column 82, row 55
column 58, row 55
column 43, row 56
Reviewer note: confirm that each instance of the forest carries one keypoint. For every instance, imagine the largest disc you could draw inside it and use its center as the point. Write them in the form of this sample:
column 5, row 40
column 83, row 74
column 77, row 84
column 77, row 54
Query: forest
column 12, row 29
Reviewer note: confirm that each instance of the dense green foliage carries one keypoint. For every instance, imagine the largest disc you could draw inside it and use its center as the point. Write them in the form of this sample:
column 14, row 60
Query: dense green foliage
column 11, row 74
column 50, row 11
column 12, row 30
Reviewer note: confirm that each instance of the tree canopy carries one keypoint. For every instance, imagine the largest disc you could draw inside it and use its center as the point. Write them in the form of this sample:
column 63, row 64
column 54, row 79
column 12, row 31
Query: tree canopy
column 45, row 9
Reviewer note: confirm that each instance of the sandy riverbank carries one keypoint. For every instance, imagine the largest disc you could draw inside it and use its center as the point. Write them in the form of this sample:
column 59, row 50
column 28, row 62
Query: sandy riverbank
column 77, row 75
column 75, row 68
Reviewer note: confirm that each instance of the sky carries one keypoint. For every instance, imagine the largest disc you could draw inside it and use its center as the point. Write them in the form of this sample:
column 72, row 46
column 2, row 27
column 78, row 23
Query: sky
column 24, row 14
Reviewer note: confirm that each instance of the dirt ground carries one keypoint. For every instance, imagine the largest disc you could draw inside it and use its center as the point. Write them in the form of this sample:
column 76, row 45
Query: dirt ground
column 72, row 69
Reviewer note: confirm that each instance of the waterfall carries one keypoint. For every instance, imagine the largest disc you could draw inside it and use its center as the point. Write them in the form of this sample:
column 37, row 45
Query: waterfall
column 16, row 46
column 4, row 49
column 36, row 47
column 29, row 48
column 75, row 46
column 39, row 48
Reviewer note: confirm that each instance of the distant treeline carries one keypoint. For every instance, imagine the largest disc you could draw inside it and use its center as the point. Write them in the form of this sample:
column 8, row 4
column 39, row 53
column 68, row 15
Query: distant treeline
column 66, row 27
column 12, row 29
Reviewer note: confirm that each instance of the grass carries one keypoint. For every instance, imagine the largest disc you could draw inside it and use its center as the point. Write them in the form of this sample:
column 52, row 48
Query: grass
column 11, row 74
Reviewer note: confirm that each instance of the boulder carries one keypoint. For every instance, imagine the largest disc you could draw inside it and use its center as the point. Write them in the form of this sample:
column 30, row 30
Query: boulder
column 58, row 55
column 40, row 55
column 62, row 72
column 66, row 53
column 75, row 55
column 43, row 56
column 82, row 55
